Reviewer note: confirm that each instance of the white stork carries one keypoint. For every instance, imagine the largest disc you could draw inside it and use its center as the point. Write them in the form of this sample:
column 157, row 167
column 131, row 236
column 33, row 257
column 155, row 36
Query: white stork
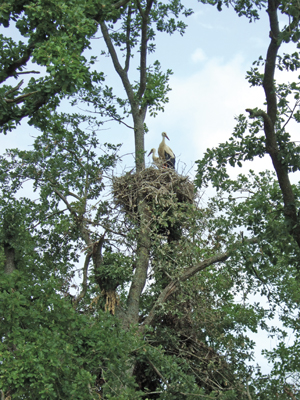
column 165, row 153
column 156, row 160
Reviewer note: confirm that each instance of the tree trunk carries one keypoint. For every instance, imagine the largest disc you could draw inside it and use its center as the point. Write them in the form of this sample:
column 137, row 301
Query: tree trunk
column 290, row 211
column 138, row 110
column 9, row 263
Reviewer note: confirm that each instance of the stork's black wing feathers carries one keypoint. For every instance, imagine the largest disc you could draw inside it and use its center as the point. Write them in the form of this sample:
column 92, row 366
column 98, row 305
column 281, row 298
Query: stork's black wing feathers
column 170, row 161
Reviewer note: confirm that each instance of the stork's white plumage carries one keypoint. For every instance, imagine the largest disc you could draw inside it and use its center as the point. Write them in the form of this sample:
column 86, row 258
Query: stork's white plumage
column 156, row 160
column 165, row 153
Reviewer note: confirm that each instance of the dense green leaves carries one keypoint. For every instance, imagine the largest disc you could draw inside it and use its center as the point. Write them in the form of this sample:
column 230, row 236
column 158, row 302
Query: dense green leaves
column 55, row 35
column 151, row 297
column 50, row 351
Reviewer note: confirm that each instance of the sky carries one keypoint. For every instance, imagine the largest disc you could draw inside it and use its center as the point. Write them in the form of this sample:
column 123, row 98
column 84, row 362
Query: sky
column 209, row 90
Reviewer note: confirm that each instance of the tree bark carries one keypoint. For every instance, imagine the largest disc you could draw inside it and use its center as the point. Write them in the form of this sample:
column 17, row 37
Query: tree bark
column 9, row 263
column 290, row 211
column 142, row 264
column 138, row 111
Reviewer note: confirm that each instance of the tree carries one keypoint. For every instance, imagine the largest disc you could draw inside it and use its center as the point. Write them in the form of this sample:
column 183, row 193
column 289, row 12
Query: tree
column 55, row 35
column 268, row 135
column 155, row 314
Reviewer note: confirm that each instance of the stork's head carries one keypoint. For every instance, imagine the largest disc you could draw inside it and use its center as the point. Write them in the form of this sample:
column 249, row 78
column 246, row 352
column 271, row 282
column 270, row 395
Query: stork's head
column 152, row 151
column 165, row 135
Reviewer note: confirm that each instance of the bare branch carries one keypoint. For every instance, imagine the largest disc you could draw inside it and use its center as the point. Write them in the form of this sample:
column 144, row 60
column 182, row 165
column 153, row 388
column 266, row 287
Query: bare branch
column 113, row 118
column 121, row 72
column 128, row 47
column 20, row 99
column 27, row 72
column 64, row 199
column 74, row 195
column 291, row 114
column 14, row 89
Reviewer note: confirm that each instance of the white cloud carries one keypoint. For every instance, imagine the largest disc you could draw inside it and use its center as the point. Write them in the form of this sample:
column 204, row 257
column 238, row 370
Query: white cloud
column 198, row 56
column 202, row 107
column 197, row 14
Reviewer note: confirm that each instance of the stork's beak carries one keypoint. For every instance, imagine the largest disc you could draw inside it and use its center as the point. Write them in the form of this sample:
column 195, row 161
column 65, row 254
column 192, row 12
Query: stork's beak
column 166, row 135
column 151, row 151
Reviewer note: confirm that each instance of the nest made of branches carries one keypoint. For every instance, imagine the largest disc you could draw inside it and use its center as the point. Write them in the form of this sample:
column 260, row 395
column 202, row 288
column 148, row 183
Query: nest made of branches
column 151, row 184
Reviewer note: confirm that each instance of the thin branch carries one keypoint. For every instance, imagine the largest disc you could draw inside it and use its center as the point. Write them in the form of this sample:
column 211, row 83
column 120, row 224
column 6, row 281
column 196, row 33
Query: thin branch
column 27, row 72
column 63, row 198
column 202, row 396
column 21, row 98
column 128, row 47
column 106, row 228
column 291, row 114
column 74, row 154
column 121, row 122
column 113, row 118
column 49, row 216
column 74, row 195
column 148, row 393
column 168, row 386
column 121, row 72
column 85, row 234
column 14, row 89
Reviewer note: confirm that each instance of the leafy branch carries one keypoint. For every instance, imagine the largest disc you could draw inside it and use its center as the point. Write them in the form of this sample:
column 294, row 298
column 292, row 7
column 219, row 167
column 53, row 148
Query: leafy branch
column 174, row 285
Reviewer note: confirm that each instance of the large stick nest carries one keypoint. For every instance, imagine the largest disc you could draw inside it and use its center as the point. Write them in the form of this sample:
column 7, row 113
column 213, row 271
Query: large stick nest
column 151, row 184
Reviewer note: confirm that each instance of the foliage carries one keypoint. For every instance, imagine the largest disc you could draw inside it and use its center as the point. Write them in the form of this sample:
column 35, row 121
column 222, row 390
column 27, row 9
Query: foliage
column 50, row 351
column 271, row 213
column 54, row 37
